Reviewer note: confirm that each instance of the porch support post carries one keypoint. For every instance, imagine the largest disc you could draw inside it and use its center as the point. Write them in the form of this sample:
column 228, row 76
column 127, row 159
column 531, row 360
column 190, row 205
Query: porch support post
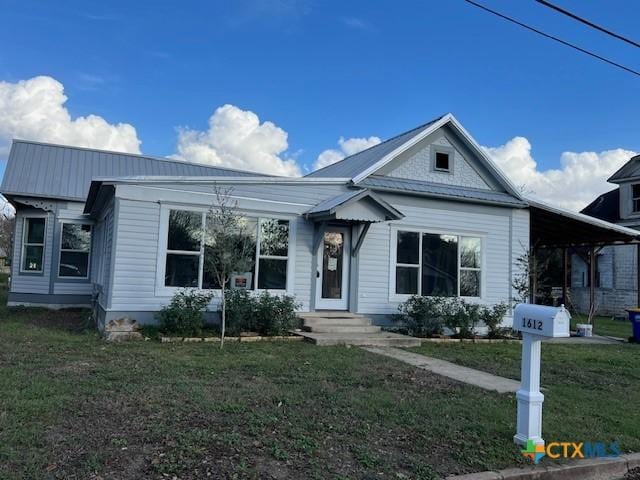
column 318, row 235
column 592, row 280
column 565, row 282
column 534, row 276
column 358, row 244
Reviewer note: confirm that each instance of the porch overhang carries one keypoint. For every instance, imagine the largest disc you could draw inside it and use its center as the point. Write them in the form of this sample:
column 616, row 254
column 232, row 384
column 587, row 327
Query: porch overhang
column 356, row 206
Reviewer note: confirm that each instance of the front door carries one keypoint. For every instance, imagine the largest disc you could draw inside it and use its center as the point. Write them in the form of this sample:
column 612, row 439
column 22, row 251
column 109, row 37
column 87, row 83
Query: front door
column 332, row 286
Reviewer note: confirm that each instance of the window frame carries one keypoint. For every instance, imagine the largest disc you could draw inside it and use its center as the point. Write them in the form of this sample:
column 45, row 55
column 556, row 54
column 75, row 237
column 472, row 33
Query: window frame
column 635, row 201
column 449, row 151
column 401, row 297
column 24, row 244
column 164, row 291
column 66, row 278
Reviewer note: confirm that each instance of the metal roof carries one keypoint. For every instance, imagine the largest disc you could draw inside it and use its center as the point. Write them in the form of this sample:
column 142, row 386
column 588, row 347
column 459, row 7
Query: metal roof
column 605, row 207
column 552, row 226
column 439, row 190
column 354, row 164
column 331, row 205
column 65, row 172
column 629, row 171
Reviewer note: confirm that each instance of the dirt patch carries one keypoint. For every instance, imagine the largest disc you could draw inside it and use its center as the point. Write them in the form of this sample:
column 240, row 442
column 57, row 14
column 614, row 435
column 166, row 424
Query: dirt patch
column 73, row 320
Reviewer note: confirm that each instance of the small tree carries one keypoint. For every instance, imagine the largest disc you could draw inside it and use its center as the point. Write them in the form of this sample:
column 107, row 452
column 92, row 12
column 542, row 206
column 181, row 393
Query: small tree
column 7, row 224
column 229, row 245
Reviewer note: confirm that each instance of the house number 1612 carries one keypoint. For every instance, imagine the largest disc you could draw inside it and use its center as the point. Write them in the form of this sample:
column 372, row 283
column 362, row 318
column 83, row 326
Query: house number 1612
column 531, row 323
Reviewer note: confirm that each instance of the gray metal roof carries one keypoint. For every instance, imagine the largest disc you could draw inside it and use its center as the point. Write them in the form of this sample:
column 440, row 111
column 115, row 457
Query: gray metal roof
column 65, row 172
column 330, row 205
column 354, row 164
column 630, row 170
column 449, row 192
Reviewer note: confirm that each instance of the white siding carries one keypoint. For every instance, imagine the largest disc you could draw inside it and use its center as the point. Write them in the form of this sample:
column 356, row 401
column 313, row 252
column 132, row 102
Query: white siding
column 492, row 223
column 304, row 261
column 136, row 247
column 417, row 164
column 29, row 282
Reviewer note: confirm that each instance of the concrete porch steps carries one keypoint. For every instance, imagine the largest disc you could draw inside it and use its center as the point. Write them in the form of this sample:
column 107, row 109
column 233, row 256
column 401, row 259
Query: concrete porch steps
column 342, row 328
column 380, row 339
column 345, row 328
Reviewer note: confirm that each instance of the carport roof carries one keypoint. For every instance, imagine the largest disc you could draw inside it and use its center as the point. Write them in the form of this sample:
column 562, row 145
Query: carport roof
column 555, row 227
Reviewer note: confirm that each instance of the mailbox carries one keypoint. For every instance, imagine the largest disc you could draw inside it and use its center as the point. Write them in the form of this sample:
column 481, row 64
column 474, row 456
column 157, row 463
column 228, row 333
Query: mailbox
column 541, row 320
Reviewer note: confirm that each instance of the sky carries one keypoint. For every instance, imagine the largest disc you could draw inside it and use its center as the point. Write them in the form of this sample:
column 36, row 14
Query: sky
column 287, row 86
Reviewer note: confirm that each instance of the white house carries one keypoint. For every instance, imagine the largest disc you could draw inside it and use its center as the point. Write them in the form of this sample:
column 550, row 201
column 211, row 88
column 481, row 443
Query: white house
column 425, row 212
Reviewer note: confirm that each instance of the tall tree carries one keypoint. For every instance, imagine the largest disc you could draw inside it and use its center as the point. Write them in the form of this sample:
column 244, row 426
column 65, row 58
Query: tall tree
column 229, row 245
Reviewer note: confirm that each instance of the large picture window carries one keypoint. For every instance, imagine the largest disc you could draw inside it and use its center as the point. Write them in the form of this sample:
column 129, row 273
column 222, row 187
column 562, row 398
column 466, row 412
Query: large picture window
column 187, row 250
column 33, row 244
column 75, row 246
column 439, row 265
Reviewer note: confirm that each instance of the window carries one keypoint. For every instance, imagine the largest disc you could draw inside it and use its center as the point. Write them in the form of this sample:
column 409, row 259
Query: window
column 635, row 194
column 438, row 265
column 186, row 259
column 75, row 246
column 442, row 161
column 33, row 244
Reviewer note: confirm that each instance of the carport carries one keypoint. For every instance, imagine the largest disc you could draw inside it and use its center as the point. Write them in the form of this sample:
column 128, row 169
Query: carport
column 552, row 227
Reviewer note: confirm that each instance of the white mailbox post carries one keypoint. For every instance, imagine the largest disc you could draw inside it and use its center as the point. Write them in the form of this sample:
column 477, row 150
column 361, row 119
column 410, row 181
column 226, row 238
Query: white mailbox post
column 536, row 322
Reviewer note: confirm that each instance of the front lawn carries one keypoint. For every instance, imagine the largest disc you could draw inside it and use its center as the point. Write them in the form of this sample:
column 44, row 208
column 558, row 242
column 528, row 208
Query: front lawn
column 592, row 392
column 75, row 407
column 607, row 326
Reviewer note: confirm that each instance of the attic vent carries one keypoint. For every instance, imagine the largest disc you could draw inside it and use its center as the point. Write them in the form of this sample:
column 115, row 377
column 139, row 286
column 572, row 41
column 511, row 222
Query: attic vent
column 442, row 162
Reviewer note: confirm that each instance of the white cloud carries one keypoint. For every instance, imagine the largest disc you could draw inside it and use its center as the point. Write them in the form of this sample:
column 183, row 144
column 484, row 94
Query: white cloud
column 236, row 139
column 581, row 177
column 34, row 109
column 348, row 147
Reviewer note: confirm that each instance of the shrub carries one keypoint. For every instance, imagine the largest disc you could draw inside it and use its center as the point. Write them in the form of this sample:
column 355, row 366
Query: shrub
column 275, row 315
column 460, row 316
column 185, row 314
column 492, row 318
column 241, row 308
column 422, row 315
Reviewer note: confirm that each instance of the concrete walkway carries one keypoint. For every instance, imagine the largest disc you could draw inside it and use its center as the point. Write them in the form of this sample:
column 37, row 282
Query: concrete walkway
column 448, row 369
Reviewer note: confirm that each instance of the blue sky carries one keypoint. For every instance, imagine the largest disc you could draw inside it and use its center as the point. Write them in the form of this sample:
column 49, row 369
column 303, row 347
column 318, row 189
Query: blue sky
column 322, row 70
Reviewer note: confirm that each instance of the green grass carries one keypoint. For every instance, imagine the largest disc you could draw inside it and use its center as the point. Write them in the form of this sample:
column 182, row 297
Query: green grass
column 591, row 391
column 607, row 326
column 74, row 407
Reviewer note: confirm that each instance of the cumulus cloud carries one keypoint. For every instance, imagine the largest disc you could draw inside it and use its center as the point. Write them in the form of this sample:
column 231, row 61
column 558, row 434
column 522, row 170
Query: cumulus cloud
column 582, row 176
column 34, row 109
column 237, row 139
column 349, row 146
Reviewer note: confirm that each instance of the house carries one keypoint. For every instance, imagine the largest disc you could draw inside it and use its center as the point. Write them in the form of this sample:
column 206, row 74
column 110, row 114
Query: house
column 425, row 212
column 616, row 266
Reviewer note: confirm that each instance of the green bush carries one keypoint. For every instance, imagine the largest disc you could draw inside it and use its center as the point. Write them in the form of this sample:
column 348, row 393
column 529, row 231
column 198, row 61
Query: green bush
column 427, row 316
column 461, row 317
column 185, row 314
column 241, row 311
column 274, row 314
column 422, row 316
column 492, row 318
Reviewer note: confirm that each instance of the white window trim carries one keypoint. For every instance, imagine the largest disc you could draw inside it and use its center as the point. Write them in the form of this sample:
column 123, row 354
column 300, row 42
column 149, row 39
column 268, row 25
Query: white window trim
column 634, row 199
column 393, row 244
column 24, row 244
column 60, row 250
column 163, row 291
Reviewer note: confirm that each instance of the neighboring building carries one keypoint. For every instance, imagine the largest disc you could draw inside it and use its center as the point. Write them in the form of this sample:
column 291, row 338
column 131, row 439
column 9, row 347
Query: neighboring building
column 425, row 212
column 616, row 266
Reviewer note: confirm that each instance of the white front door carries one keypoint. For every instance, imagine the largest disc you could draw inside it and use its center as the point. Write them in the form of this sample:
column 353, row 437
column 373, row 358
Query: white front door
column 332, row 285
